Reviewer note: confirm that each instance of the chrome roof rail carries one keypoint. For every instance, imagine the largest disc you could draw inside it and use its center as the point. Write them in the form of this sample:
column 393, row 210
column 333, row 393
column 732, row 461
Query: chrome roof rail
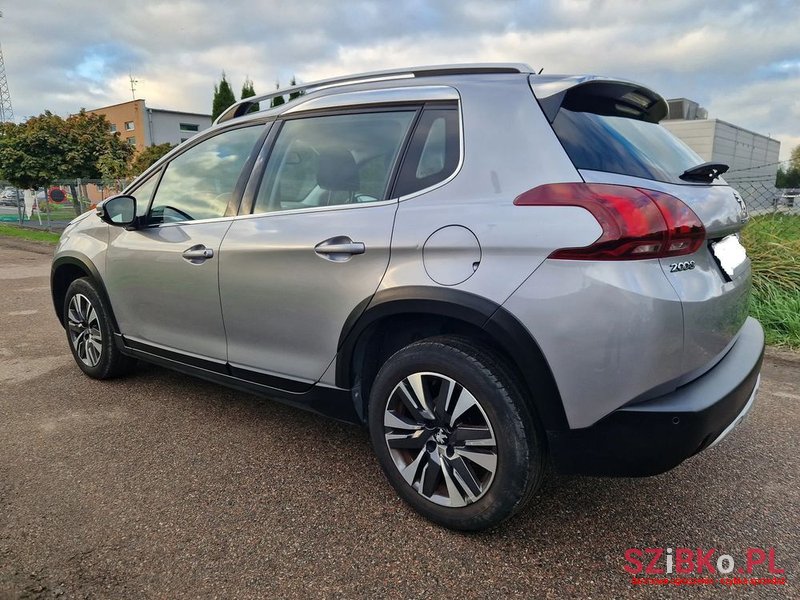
column 243, row 106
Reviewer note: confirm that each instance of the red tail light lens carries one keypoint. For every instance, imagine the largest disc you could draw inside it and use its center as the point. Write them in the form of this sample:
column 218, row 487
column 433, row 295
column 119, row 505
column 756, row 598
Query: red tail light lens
column 636, row 223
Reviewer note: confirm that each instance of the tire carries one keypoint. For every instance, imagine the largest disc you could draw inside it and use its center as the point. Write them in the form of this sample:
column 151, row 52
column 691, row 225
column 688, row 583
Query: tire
column 468, row 457
column 87, row 321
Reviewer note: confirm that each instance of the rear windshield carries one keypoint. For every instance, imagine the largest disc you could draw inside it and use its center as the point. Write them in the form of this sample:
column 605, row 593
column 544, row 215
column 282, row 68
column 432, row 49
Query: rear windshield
column 623, row 145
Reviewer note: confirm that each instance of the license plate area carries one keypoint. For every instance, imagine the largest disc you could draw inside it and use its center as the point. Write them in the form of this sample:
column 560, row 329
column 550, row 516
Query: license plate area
column 730, row 256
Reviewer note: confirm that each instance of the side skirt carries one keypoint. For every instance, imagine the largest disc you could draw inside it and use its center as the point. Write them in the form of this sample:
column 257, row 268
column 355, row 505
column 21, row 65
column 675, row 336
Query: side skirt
column 331, row 402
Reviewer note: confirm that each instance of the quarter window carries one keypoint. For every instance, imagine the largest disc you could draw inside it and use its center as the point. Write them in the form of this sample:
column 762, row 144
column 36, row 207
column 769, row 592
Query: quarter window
column 433, row 152
column 333, row 160
column 144, row 192
column 199, row 183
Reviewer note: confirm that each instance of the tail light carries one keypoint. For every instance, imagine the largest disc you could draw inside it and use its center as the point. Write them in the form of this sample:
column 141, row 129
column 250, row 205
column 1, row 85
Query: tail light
column 636, row 223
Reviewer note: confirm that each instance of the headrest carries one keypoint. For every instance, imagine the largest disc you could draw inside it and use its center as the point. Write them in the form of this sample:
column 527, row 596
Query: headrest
column 337, row 171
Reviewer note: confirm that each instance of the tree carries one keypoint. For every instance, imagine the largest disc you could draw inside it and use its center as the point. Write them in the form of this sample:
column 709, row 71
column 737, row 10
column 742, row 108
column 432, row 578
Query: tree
column 91, row 146
column 790, row 176
column 277, row 100
column 794, row 159
column 294, row 95
column 148, row 156
column 223, row 98
column 47, row 148
column 248, row 91
column 113, row 170
column 89, row 139
column 33, row 154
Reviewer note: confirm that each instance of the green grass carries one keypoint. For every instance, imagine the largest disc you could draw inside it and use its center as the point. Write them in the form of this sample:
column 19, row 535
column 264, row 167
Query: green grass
column 59, row 212
column 28, row 234
column 773, row 244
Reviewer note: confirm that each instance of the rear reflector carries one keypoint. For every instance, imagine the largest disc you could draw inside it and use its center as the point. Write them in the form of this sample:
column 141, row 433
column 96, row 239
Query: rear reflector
column 636, row 223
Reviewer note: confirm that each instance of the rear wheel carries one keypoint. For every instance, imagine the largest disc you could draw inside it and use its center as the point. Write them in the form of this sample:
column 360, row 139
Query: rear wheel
column 453, row 433
column 90, row 333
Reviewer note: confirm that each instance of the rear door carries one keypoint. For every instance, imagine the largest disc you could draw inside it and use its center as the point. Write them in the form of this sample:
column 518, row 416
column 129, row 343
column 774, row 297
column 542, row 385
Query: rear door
column 163, row 278
column 316, row 244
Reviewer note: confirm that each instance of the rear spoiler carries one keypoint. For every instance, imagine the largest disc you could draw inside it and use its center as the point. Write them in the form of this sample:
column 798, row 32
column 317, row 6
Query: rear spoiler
column 598, row 95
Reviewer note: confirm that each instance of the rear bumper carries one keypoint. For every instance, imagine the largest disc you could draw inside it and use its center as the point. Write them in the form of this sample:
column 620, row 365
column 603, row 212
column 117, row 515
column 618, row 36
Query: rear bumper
column 654, row 436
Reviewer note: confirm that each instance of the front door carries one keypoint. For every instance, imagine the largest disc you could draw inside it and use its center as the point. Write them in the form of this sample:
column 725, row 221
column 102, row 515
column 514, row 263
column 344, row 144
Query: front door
column 163, row 279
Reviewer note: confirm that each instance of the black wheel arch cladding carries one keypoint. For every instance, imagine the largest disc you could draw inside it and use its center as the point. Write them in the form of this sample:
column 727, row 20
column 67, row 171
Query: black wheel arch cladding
column 500, row 326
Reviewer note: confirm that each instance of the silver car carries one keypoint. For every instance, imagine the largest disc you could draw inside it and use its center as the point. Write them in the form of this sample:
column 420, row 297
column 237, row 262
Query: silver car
column 487, row 267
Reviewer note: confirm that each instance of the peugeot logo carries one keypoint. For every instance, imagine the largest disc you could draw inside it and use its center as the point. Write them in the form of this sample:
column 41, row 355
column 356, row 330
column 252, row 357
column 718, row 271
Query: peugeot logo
column 742, row 207
column 440, row 436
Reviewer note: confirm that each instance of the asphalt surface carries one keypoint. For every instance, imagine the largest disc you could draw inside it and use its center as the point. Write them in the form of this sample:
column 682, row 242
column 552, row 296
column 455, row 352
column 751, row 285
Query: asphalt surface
column 162, row 486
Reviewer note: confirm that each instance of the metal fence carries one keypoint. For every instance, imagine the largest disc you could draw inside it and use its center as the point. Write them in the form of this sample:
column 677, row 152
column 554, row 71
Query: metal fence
column 53, row 206
column 762, row 197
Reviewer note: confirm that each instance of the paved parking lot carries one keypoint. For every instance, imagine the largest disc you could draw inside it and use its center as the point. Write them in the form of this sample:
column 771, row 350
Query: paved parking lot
column 164, row 486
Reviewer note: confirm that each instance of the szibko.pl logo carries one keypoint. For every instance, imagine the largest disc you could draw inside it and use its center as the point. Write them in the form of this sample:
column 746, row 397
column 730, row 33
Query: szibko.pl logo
column 660, row 566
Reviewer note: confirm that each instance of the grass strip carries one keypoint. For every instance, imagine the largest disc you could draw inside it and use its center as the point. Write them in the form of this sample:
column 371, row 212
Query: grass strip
column 773, row 244
column 26, row 233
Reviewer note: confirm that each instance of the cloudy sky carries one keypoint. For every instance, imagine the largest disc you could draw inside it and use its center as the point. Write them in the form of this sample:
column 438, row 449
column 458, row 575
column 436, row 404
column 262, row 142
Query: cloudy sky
column 741, row 60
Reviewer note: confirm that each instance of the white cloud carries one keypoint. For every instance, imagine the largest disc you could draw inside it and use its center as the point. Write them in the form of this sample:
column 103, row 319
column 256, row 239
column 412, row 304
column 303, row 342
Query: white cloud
column 739, row 59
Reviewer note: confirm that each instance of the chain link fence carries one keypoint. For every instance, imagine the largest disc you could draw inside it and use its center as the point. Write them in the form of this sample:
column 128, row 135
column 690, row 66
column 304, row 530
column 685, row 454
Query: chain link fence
column 53, row 206
column 763, row 198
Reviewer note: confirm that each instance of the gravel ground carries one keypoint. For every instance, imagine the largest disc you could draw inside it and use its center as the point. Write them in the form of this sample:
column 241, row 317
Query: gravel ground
column 163, row 486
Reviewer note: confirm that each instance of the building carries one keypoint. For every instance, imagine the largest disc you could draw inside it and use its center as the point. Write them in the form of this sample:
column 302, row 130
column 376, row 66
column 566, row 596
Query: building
column 141, row 126
column 752, row 157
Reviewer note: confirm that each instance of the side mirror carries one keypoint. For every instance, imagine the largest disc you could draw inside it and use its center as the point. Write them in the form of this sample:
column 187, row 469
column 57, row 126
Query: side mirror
column 119, row 211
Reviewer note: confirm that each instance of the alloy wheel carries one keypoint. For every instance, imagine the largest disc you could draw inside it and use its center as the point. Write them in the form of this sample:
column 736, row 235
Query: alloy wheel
column 84, row 330
column 440, row 439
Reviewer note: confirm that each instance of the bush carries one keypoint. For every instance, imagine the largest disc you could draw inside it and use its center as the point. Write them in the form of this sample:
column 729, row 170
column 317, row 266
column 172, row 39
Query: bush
column 773, row 244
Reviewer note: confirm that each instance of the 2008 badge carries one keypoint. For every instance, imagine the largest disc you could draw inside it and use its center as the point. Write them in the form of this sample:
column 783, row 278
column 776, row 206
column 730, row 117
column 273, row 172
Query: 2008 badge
column 681, row 266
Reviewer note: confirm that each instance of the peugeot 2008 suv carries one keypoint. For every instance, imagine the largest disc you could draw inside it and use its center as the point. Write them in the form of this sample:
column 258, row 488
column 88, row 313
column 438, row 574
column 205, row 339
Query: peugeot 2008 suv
column 485, row 266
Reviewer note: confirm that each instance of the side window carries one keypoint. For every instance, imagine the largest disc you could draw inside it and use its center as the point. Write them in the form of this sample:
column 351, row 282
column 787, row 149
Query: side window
column 433, row 153
column 144, row 192
column 200, row 183
column 330, row 160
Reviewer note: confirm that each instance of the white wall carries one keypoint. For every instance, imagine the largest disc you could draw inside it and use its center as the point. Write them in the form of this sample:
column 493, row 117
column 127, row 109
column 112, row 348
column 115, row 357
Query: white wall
column 697, row 134
column 164, row 126
column 752, row 157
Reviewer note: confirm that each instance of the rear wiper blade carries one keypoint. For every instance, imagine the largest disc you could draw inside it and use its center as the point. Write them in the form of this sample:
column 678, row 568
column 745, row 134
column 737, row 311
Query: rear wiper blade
column 707, row 172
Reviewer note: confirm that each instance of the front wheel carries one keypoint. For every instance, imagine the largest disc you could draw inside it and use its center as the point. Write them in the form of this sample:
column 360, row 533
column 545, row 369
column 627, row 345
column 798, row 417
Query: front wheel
column 90, row 333
column 454, row 434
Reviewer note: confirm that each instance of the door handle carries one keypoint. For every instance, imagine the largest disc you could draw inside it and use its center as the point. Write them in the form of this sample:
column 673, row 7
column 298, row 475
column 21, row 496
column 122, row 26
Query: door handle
column 198, row 254
column 339, row 249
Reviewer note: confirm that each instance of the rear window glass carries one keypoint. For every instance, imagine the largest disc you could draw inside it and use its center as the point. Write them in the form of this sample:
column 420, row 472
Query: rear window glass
column 622, row 145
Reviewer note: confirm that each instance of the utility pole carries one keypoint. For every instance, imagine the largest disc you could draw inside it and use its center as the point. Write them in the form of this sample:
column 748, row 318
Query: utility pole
column 6, row 111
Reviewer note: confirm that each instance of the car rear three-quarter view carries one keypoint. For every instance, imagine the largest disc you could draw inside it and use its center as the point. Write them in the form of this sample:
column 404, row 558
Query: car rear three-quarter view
column 487, row 267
